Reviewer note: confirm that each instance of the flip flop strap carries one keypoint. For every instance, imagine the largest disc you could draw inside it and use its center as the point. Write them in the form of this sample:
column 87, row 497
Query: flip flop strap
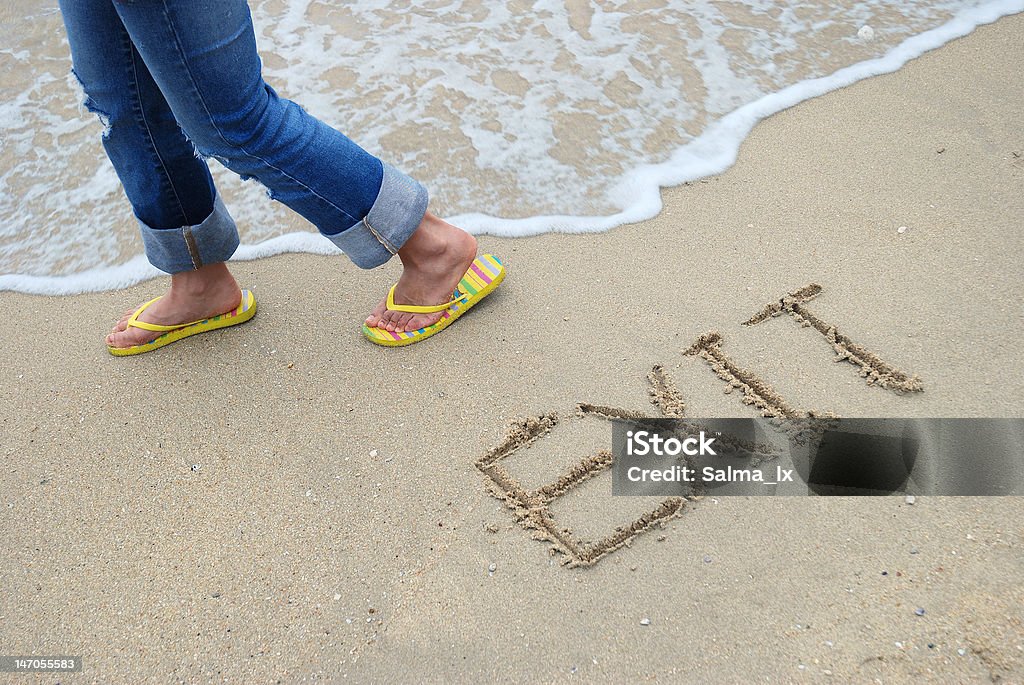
column 134, row 322
column 419, row 309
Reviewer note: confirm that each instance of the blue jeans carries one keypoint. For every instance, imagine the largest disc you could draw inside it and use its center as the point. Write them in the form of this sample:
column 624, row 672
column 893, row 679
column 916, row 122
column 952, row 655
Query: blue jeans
column 177, row 81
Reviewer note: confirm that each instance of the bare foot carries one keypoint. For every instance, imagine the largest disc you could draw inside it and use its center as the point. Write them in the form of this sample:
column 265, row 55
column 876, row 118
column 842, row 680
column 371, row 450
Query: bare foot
column 194, row 295
column 434, row 260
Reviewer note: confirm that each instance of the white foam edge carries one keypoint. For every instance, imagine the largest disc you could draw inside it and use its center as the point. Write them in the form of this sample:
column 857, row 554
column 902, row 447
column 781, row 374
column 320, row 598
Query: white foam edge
column 639, row 191
column 717, row 148
column 138, row 269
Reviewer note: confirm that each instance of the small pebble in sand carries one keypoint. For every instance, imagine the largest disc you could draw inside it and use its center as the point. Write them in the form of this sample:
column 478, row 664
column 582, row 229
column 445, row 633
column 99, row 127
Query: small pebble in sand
column 645, row 621
column 919, row 611
column 910, row 499
column 866, row 33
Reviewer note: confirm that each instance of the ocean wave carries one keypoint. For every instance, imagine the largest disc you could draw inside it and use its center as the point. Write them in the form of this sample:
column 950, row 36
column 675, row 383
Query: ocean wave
column 522, row 120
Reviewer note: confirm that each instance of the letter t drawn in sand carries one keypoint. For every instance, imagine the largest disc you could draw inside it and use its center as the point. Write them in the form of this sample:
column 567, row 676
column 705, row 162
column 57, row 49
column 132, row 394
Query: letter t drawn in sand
column 874, row 370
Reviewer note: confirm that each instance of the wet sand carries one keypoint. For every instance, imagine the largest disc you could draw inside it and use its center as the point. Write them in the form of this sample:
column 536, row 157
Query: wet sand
column 284, row 501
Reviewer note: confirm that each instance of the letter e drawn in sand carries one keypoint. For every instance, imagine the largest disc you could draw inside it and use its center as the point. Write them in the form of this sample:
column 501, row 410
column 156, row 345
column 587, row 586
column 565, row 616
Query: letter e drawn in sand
column 873, row 370
column 531, row 507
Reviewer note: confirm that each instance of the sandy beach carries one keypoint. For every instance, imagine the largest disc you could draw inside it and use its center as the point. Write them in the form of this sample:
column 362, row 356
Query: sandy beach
column 285, row 502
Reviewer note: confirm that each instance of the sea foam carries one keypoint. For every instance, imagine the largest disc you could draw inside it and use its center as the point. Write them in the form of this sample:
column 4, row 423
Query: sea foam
column 521, row 118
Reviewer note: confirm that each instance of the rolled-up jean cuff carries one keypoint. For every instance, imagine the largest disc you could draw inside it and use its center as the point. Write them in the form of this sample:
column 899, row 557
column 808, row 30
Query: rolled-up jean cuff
column 394, row 216
column 190, row 247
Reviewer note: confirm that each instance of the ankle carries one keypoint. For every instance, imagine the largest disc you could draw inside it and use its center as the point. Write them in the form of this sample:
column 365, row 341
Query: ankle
column 434, row 239
column 211, row 278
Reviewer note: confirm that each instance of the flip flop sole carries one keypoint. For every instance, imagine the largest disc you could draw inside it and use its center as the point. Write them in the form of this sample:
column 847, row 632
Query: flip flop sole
column 484, row 275
column 245, row 311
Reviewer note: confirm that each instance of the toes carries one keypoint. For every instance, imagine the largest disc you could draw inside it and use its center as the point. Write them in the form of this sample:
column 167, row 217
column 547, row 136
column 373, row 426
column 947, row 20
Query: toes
column 402, row 321
column 122, row 323
column 118, row 340
column 377, row 314
column 394, row 320
column 123, row 336
column 131, row 336
column 388, row 319
column 422, row 321
column 399, row 322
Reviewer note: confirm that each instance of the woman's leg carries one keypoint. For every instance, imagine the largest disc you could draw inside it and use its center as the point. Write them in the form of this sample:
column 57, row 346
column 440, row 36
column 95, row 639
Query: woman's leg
column 185, row 228
column 202, row 54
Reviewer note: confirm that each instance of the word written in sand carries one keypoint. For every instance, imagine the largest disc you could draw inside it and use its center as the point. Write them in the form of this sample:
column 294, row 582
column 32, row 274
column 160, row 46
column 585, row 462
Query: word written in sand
column 531, row 508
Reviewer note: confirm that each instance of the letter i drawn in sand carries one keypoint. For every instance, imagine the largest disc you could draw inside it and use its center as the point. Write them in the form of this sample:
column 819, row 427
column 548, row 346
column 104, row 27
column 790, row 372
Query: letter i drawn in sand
column 756, row 392
column 531, row 507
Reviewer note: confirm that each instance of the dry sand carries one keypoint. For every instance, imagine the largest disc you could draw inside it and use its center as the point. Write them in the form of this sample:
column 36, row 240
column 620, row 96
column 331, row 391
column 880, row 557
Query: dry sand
column 285, row 502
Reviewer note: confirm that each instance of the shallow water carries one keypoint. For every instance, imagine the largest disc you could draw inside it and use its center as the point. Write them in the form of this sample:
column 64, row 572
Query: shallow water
column 520, row 117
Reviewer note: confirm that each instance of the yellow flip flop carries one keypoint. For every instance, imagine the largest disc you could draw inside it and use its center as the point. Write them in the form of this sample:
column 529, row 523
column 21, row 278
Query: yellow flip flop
column 245, row 311
column 483, row 276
